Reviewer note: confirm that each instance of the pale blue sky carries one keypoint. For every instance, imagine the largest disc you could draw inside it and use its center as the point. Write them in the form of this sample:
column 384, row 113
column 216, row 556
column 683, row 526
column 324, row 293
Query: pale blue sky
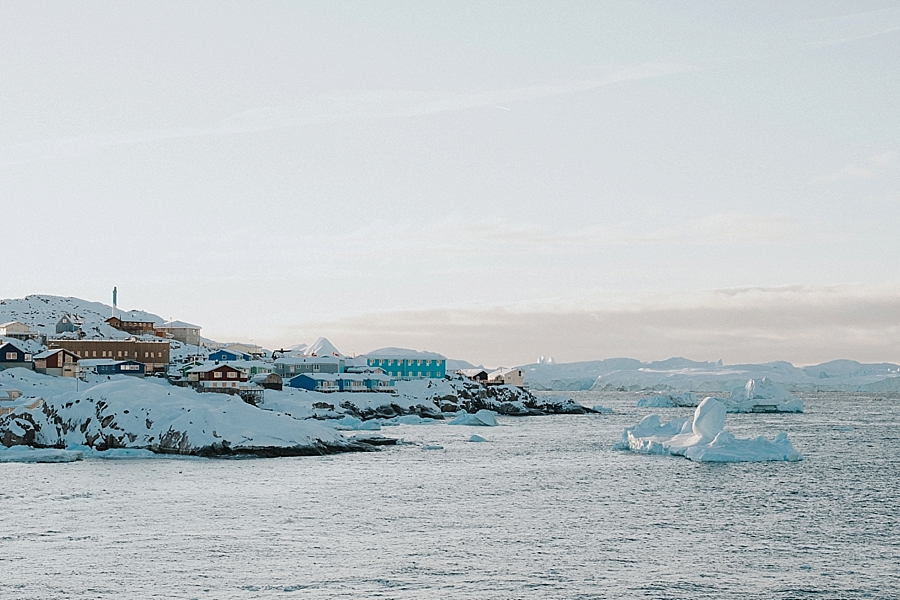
column 470, row 178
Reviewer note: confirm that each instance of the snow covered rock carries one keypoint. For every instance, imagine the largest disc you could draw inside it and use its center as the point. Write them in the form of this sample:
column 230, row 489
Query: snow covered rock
column 150, row 414
column 704, row 439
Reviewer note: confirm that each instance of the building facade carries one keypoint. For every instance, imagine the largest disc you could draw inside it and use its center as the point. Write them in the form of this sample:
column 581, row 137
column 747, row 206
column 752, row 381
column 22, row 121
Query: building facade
column 153, row 353
column 132, row 327
column 181, row 331
column 13, row 356
column 409, row 364
column 59, row 362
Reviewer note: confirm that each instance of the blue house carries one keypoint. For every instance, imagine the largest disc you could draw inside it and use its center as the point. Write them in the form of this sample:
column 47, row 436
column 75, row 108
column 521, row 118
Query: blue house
column 227, row 355
column 13, row 356
column 315, row 382
column 408, row 364
column 115, row 367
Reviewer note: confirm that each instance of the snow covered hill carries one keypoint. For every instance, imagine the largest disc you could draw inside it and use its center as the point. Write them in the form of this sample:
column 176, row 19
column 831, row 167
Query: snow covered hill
column 42, row 313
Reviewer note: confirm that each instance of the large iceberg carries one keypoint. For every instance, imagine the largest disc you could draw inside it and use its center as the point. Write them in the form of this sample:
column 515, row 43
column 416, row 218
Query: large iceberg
column 757, row 395
column 704, row 439
column 763, row 395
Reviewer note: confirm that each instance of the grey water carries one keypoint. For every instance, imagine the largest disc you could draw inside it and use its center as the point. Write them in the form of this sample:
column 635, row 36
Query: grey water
column 544, row 509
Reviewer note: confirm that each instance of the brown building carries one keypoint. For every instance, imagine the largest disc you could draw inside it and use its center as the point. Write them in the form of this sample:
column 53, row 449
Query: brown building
column 214, row 377
column 154, row 354
column 59, row 362
column 132, row 327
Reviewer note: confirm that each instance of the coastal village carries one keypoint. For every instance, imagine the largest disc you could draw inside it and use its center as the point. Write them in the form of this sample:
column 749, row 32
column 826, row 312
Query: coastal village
column 137, row 345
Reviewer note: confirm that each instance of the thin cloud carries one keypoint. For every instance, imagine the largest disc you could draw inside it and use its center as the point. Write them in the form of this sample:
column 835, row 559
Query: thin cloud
column 872, row 167
column 333, row 108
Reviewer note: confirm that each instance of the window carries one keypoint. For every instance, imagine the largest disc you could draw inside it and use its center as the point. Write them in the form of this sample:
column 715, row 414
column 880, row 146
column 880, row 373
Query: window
column 11, row 356
column 315, row 367
column 95, row 354
column 233, row 384
column 27, row 357
column 120, row 354
column 146, row 354
column 232, row 374
column 218, row 374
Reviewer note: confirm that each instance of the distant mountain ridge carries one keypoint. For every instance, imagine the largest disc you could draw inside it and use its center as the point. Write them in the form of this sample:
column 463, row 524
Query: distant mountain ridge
column 685, row 375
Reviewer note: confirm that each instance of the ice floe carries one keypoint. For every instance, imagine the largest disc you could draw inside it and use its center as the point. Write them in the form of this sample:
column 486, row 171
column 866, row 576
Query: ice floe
column 704, row 439
column 756, row 395
column 482, row 418
column 27, row 454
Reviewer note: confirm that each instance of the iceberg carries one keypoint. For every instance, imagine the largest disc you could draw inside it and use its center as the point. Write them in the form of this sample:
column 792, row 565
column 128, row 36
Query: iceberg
column 477, row 438
column 763, row 395
column 704, row 439
column 483, row 418
column 668, row 400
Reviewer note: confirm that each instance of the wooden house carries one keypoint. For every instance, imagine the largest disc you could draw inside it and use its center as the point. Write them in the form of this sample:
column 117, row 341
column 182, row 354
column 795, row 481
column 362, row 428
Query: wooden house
column 59, row 362
column 13, row 356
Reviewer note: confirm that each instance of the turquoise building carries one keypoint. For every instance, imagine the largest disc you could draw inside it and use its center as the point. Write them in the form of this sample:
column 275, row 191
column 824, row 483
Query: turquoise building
column 408, row 364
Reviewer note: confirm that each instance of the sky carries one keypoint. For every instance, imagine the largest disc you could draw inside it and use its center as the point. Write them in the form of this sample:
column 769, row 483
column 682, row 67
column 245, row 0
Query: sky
column 495, row 181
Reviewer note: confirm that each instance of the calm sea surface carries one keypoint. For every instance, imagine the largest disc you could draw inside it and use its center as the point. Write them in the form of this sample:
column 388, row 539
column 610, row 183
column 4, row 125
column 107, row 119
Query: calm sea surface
column 544, row 509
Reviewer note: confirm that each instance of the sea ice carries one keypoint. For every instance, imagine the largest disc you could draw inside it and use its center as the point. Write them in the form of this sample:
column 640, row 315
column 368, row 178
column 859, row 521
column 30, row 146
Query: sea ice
column 27, row 454
column 704, row 439
column 477, row 438
column 668, row 400
column 483, row 418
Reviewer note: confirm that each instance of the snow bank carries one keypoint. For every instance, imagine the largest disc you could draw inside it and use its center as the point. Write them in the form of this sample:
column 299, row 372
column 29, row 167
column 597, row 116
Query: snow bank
column 704, row 439
column 150, row 414
column 483, row 418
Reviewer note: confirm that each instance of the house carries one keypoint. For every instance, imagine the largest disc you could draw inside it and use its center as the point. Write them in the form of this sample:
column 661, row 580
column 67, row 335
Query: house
column 504, row 376
column 228, row 355
column 252, row 349
column 132, row 327
column 181, row 331
column 315, row 382
column 295, row 365
column 474, row 374
column 59, row 362
column 269, row 381
column 18, row 331
column 377, row 382
column 211, row 377
column 408, row 364
column 153, row 353
column 13, row 356
column 67, row 325
column 108, row 366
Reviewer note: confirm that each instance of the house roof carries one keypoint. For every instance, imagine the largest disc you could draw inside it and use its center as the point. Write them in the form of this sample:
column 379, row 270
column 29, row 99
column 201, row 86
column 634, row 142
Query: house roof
column 96, row 362
column 178, row 325
column 403, row 353
column 300, row 360
column 207, row 367
column 472, row 372
column 9, row 343
column 49, row 353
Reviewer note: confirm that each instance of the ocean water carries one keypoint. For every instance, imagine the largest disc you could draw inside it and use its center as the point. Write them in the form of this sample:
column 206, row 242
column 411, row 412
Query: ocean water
column 544, row 509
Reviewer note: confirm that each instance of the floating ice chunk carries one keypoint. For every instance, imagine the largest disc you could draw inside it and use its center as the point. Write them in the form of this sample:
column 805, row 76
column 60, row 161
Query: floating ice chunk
column 477, row 438
column 704, row 439
column 669, row 400
column 763, row 395
column 602, row 409
column 407, row 420
column 432, row 447
column 483, row 418
column 27, row 454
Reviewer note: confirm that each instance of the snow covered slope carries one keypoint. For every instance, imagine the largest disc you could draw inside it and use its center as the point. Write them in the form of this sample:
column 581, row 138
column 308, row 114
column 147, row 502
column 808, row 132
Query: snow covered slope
column 42, row 313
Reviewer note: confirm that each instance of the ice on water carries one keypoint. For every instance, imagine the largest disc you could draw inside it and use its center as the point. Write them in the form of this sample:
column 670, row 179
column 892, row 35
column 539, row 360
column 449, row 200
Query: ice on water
column 704, row 439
